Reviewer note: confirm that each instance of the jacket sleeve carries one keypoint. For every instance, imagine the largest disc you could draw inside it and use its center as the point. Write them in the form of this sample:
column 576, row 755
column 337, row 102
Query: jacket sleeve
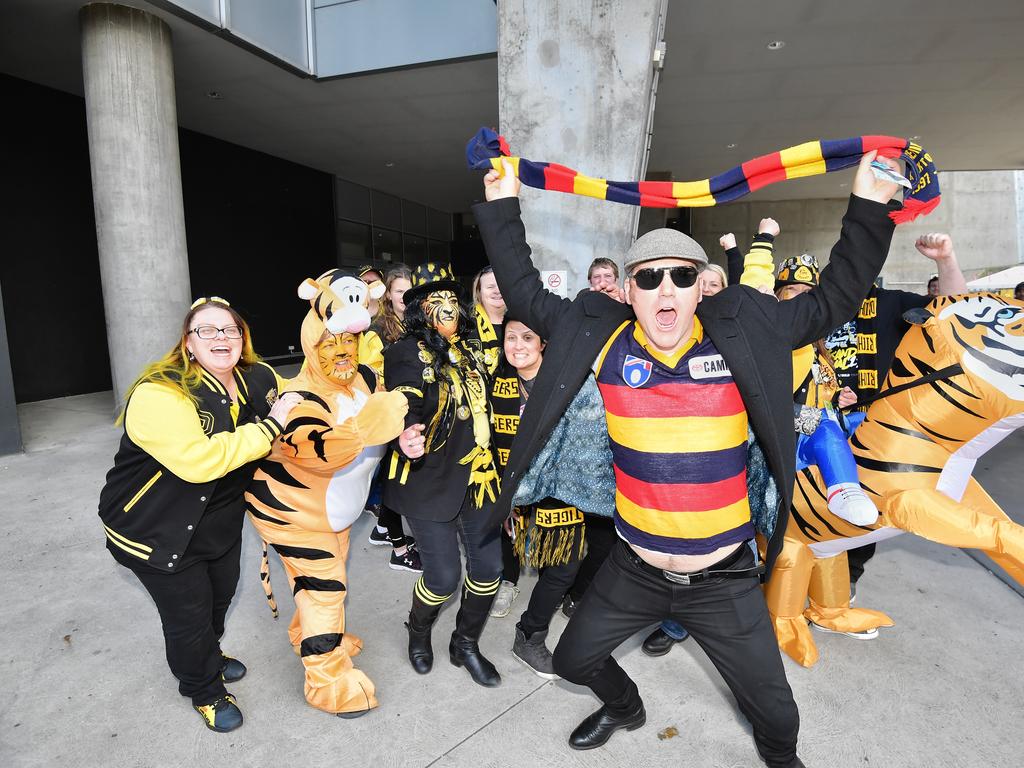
column 759, row 263
column 403, row 371
column 854, row 263
column 504, row 237
column 165, row 424
column 312, row 440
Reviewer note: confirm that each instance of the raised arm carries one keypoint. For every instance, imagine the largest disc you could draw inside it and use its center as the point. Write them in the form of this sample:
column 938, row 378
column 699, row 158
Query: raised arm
column 938, row 247
column 853, row 265
column 504, row 235
column 759, row 263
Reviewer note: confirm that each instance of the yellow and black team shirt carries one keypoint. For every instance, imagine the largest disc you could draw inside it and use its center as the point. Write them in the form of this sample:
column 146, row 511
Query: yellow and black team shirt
column 863, row 348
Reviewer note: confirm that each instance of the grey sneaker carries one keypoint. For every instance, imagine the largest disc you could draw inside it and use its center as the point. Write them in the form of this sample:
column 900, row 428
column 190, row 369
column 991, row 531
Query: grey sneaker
column 534, row 653
column 507, row 594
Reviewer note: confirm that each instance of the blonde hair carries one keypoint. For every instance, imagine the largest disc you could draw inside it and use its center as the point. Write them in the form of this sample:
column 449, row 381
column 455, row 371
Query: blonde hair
column 720, row 272
column 476, row 283
column 177, row 371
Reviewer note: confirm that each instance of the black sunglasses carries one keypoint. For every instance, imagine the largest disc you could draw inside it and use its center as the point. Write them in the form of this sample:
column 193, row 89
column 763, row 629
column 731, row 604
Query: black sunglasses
column 649, row 278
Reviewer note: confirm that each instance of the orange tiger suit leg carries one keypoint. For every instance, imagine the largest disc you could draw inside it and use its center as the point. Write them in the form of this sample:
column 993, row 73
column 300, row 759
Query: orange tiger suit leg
column 976, row 522
column 829, row 599
column 315, row 565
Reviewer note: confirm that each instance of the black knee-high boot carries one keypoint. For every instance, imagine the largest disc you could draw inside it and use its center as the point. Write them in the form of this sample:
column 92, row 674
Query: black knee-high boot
column 421, row 620
column 469, row 624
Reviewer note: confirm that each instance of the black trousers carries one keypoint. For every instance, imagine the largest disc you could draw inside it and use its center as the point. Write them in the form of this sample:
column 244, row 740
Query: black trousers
column 438, row 545
column 601, row 537
column 858, row 558
column 192, row 605
column 728, row 619
column 392, row 521
column 510, row 565
column 554, row 582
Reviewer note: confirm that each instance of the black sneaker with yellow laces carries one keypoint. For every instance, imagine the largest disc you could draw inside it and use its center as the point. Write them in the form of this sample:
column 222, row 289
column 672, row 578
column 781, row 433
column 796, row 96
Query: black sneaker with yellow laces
column 222, row 715
column 231, row 670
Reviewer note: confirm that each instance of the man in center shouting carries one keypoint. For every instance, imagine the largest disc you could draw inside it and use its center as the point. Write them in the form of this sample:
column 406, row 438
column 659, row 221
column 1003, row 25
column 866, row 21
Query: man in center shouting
column 698, row 414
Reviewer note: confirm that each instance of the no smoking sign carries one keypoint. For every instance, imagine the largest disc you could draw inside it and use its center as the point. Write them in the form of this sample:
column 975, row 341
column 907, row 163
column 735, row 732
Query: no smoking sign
column 555, row 281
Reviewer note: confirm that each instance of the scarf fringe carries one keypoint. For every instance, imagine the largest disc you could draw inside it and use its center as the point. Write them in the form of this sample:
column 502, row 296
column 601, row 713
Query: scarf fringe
column 538, row 547
column 912, row 208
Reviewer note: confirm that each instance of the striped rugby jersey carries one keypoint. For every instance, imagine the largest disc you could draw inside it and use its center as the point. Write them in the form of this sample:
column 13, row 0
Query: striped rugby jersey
column 678, row 433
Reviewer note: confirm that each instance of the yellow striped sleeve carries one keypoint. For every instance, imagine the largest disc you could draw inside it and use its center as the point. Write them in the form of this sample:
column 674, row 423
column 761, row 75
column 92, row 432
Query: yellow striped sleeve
column 759, row 265
column 682, row 434
column 163, row 423
column 683, row 525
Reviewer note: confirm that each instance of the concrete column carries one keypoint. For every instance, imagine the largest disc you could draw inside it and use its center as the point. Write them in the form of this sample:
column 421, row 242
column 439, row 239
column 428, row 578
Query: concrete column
column 136, row 181
column 576, row 82
column 10, row 429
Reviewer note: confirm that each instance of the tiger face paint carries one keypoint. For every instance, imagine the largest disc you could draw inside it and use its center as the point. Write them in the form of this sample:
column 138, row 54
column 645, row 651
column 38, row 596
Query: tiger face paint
column 441, row 309
column 338, row 355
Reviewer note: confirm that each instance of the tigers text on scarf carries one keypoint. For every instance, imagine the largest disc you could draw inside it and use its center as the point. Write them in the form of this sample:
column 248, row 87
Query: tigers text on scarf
column 487, row 149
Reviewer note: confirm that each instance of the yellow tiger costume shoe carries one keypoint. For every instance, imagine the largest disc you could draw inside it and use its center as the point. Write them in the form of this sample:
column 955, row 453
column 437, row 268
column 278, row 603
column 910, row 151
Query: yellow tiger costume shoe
column 960, row 370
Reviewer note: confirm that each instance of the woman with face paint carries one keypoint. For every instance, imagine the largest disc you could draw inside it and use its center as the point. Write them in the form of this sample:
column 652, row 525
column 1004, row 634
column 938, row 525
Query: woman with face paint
column 195, row 424
column 441, row 476
column 306, row 495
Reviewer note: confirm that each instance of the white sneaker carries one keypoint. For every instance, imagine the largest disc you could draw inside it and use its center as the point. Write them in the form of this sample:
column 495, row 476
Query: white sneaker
column 507, row 594
column 867, row 634
column 848, row 501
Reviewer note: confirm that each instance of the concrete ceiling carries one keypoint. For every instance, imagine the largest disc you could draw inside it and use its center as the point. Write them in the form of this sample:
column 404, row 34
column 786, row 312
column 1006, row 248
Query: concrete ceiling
column 947, row 71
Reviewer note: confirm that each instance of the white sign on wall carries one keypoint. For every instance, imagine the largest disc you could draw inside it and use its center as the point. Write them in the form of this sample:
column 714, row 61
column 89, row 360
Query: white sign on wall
column 556, row 281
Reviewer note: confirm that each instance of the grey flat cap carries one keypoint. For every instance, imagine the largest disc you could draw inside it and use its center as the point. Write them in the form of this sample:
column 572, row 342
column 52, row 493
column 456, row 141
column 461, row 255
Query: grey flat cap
column 664, row 243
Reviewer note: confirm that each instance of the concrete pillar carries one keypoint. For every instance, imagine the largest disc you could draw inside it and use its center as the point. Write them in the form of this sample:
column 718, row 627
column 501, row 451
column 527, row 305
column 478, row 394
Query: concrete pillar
column 576, row 83
column 136, row 181
column 10, row 429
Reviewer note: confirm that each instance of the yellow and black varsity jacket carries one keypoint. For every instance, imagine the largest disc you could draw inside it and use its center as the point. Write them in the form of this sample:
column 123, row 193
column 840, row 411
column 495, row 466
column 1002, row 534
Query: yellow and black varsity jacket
column 172, row 456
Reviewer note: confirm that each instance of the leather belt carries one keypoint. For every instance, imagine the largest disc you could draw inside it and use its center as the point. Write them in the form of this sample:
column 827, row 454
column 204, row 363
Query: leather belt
column 717, row 570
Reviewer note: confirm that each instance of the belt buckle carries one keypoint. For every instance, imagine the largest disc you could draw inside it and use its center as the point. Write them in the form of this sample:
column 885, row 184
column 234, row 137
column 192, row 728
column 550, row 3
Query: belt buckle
column 678, row 578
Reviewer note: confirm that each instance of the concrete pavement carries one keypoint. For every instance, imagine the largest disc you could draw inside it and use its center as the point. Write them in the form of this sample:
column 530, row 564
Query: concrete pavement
column 85, row 682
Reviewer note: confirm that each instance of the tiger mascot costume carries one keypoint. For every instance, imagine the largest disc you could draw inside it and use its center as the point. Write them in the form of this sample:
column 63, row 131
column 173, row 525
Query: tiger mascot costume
column 957, row 389
column 312, row 487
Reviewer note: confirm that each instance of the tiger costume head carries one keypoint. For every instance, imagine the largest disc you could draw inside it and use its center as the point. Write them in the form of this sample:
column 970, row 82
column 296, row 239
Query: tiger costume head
column 338, row 313
column 983, row 332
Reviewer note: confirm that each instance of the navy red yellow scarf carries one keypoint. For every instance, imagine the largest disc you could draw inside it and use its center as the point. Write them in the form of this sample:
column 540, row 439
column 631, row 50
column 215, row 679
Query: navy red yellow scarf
column 486, row 150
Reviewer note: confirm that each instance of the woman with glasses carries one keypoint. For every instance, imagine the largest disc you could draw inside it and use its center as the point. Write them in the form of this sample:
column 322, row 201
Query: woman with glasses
column 195, row 423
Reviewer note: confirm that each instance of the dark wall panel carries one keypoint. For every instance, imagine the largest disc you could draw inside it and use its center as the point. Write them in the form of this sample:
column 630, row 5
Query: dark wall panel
column 257, row 226
column 49, row 267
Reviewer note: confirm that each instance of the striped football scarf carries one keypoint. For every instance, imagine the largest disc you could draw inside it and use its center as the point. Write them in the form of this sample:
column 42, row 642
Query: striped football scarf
column 487, row 149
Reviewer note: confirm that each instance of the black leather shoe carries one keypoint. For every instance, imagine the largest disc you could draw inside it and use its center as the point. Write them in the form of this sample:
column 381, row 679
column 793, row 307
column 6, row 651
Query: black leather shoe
column 599, row 727
column 466, row 653
column 231, row 670
column 659, row 642
column 353, row 715
column 421, row 654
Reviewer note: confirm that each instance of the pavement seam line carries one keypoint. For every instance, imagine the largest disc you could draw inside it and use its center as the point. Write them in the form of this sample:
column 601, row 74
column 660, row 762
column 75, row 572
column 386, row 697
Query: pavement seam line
column 505, row 711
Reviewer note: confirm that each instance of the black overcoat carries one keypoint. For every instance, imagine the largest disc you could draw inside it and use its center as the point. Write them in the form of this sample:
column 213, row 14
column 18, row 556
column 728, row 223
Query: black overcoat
column 754, row 333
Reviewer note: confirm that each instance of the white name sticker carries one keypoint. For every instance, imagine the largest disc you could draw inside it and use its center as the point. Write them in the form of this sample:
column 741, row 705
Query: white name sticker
column 708, row 367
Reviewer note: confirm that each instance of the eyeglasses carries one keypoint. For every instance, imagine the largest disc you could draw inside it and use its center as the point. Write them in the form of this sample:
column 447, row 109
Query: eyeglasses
column 649, row 278
column 210, row 332
column 205, row 299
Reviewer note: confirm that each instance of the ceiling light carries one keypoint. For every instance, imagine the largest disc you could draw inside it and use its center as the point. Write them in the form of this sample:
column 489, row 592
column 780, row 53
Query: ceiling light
column 775, row 45
column 914, row 138
column 730, row 146
column 389, row 164
column 215, row 95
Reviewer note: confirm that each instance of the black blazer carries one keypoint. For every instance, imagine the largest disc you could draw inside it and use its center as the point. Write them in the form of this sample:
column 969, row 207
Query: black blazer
column 754, row 332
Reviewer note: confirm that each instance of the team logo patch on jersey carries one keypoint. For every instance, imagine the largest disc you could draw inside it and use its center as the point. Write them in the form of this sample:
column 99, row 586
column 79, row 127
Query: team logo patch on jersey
column 636, row 372
column 708, row 367
column 206, row 422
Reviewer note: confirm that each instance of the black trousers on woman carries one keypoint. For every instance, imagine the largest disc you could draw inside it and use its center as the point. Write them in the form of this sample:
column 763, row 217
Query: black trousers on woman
column 726, row 616
column 601, row 537
column 192, row 605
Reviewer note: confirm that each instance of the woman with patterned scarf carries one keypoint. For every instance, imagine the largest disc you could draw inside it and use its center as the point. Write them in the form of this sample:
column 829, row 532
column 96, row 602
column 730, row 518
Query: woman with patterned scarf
column 549, row 534
column 442, row 479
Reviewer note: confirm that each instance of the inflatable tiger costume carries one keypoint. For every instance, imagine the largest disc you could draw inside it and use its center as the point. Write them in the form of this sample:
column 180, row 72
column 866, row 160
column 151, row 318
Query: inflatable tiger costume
column 312, row 487
column 957, row 385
